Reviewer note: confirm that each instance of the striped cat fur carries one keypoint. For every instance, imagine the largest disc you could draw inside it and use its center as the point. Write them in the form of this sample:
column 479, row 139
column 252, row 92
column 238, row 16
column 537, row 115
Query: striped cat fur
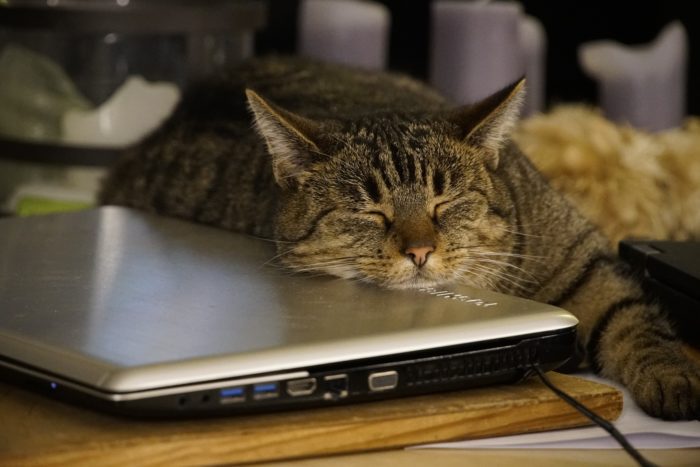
column 375, row 177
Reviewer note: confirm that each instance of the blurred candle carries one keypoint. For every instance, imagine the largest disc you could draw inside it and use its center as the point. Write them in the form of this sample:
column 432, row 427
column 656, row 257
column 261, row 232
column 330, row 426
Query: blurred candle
column 475, row 48
column 353, row 32
column 644, row 86
column 533, row 44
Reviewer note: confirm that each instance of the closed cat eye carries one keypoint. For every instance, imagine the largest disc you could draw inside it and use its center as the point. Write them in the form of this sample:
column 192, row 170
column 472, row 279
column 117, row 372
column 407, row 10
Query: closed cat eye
column 438, row 209
column 382, row 216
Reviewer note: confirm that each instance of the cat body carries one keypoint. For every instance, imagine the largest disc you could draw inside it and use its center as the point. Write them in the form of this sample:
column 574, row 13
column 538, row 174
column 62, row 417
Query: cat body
column 205, row 164
column 375, row 177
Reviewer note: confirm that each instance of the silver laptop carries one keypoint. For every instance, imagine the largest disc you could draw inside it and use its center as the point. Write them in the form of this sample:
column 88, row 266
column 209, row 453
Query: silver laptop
column 153, row 316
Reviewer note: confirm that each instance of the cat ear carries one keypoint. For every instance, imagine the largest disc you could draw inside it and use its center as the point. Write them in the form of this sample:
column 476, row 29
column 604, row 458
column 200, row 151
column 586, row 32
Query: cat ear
column 488, row 123
column 289, row 138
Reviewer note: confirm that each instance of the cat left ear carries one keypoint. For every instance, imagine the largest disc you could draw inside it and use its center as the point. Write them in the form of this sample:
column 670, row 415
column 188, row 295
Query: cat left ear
column 488, row 123
column 290, row 138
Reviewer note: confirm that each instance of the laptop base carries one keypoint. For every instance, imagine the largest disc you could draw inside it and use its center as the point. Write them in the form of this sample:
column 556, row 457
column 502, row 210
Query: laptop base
column 369, row 380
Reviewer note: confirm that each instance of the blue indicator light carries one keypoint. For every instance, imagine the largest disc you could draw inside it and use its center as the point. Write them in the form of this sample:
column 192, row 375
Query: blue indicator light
column 53, row 385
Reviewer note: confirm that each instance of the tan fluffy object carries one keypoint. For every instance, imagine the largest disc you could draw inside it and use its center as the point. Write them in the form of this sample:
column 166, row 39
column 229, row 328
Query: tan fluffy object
column 631, row 183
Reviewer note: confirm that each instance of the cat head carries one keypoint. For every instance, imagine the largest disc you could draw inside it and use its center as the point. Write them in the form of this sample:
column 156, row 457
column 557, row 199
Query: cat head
column 401, row 200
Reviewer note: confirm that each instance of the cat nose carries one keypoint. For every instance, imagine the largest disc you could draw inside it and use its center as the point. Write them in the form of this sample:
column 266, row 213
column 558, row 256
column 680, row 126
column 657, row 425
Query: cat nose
column 419, row 254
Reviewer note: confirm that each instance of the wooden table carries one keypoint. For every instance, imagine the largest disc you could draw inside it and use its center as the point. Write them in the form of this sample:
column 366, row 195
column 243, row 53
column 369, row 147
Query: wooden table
column 501, row 458
column 39, row 431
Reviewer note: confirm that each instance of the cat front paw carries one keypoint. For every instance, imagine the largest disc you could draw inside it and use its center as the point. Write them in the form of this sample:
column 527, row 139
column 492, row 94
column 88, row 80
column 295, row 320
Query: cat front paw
column 668, row 390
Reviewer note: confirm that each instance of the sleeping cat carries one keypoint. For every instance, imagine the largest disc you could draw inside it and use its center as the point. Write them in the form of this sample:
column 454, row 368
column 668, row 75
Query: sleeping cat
column 375, row 177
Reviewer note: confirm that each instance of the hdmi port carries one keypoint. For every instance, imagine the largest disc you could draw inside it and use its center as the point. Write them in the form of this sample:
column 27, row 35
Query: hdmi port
column 301, row 387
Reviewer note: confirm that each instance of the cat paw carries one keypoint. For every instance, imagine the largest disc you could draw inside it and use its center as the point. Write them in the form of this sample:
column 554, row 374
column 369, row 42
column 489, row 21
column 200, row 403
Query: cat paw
column 669, row 390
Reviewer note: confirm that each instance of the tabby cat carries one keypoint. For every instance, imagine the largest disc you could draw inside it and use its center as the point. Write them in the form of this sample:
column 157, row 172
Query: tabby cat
column 375, row 177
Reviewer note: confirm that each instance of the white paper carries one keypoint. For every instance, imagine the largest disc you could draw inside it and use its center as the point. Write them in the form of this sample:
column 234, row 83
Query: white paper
column 641, row 430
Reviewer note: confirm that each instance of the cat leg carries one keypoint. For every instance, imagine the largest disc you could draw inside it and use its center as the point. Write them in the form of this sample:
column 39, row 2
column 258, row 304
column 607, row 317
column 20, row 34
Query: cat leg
column 635, row 344
column 628, row 338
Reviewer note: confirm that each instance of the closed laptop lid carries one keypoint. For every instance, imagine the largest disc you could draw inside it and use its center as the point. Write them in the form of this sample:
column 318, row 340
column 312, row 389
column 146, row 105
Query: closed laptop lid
column 122, row 300
column 673, row 263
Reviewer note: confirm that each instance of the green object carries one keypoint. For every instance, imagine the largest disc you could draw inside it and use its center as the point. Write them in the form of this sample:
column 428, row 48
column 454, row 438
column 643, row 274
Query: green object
column 34, row 205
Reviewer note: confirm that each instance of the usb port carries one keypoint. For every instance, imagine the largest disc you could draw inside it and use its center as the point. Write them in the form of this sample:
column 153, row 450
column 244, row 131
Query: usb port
column 265, row 391
column 232, row 395
column 301, row 387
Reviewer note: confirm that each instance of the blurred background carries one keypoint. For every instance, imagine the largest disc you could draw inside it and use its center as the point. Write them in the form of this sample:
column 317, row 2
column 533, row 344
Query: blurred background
column 84, row 79
column 567, row 25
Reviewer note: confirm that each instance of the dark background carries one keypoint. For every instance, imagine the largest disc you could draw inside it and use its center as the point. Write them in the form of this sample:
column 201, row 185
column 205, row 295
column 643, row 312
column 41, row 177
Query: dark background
column 567, row 24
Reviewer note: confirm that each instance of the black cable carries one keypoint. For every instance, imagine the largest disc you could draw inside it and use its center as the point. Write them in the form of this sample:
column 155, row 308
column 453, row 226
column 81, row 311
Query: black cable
column 604, row 424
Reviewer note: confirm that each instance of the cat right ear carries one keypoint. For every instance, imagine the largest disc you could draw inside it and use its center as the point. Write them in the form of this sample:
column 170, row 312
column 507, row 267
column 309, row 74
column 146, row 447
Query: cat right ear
column 487, row 124
column 290, row 138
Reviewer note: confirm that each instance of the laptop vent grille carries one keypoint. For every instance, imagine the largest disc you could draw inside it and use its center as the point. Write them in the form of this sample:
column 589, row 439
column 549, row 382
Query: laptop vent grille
column 472, row 365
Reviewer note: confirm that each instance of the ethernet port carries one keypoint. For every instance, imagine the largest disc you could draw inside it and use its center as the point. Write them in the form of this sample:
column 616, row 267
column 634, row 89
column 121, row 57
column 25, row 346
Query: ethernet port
column 335, row 386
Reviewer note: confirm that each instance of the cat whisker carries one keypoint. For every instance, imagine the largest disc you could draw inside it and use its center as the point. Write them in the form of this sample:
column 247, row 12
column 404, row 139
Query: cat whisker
column 267, row 239
column 508, row 285
column 535, row 258
column 482, row 275
column 319, row 266
column 514, row 280
column 326, row 263
column 522, row 234
column 509, row 265
column 536, row 226
column 480, row 251
column 276, row 257
column 306, row 274
column 499, row 276
column 514, row 276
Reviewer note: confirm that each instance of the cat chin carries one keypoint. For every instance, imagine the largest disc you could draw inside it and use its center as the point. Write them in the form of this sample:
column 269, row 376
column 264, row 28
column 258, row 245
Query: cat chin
column 412, row 280
column 414, row 283
column 409, row 280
